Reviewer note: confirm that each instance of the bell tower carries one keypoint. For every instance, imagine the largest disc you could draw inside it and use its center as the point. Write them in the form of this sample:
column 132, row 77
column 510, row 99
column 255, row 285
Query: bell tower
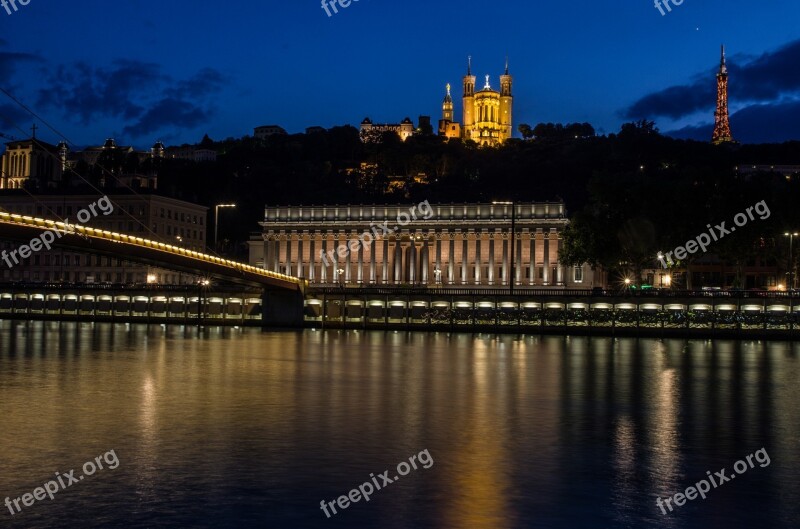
column 469, row 100
column 506, row 105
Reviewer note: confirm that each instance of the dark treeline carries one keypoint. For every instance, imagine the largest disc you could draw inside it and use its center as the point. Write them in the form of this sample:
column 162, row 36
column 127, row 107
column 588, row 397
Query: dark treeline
column 636, row 185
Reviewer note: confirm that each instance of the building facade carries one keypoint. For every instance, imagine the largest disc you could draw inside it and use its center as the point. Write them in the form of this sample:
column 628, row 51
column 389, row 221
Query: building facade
column 31, row 159
column 266, row 131
column 443, row 244
column 404, row 129
column 487, row 113
column 153, row 217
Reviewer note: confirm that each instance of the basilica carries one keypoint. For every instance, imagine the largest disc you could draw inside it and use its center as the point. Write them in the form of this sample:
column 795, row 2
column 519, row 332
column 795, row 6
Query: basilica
column 486, row 114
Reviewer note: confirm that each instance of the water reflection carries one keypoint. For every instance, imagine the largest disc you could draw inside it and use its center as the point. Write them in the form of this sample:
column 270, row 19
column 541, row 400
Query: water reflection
column 239, row 428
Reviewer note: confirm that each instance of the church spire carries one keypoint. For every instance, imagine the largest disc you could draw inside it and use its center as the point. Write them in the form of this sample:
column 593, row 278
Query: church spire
column 469, row 64
column 506, row 64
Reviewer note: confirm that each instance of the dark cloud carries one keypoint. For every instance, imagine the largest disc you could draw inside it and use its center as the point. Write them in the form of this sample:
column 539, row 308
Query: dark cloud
column 89, row 92
column 764, row 123
column 137, row 93
column 9, row 62
column 168, row 112
column 763, row 79
column 207, row 81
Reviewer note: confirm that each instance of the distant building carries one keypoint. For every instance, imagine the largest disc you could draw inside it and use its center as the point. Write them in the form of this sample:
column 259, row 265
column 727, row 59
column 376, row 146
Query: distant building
column 788, row 171
column 447, row 127
column 448, row 244
column 148, row 216
column 314, row 130
column 192, row 153
column 404, row 129
column 487, row 114
column 268, row 130
column 30, row 159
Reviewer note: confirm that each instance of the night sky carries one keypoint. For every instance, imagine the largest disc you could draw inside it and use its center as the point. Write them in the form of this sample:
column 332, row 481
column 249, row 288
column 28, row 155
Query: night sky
column 141, row 70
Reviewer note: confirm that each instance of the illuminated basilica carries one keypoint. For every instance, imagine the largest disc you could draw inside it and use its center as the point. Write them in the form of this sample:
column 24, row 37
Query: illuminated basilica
column 486, row 113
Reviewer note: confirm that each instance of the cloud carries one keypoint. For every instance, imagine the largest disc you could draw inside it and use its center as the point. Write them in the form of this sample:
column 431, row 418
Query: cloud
column 763, row 79
column 137, row 93
column 760, row 123
column 9, row 62
column 89, row 92
column 168, row 112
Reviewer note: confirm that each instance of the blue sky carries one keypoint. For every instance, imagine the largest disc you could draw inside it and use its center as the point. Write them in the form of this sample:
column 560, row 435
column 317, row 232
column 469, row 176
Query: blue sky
column 140, row 70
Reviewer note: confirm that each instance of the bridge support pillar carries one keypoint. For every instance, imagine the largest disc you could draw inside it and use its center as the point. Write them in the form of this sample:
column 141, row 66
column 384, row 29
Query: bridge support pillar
column 282, row 308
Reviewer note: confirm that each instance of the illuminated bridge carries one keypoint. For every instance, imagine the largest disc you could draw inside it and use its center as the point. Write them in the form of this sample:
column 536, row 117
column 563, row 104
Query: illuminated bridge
column 282, row 294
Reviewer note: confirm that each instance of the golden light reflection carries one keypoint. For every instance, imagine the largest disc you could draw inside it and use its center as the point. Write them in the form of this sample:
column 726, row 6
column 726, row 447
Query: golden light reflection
column 480, row 485
column 666, row 449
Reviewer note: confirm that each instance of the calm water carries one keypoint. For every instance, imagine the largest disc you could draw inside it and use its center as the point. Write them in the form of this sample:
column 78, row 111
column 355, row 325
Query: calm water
column 239, row 428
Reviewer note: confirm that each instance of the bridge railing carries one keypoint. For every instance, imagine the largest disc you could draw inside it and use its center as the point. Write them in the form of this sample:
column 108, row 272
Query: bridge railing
column 46, row 224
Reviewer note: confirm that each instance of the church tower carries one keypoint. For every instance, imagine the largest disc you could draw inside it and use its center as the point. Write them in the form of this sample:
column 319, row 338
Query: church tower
column 469, row 101
column 447, row 106
column 722, row 126
column 506, row 102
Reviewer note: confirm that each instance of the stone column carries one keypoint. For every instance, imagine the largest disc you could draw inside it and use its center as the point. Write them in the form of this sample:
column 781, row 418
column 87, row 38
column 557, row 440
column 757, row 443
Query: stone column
column 547, row 279
column 505, row 259
column 268, row 249
column 348, row 260
column 424, row 259
column 451, row 258
column 438, row 256
column 385, row 266
column 276, row 265
column 477, row 280
column 464, row 257
column 360, row 273
column 490, row 275
column 532, row 264
column 398, row 260
column 560, row 270
column 324, row 263
column 312, row 259
column 301, row 258
column 289, row 240
column 373, row 245
column 412, row 261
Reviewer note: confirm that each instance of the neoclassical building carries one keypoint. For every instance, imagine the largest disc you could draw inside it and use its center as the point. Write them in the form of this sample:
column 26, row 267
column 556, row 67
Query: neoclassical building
column 444, row 244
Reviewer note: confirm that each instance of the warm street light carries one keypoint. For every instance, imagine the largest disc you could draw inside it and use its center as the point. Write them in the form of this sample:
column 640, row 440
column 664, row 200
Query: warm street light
column 513, row 252
column 791, row 260
column 216, row 219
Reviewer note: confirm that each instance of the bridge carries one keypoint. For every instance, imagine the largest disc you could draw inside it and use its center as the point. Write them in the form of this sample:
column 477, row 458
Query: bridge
column 282, row 294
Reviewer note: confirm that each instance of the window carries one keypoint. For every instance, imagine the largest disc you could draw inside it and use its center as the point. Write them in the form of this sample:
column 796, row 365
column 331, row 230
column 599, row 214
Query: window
column 162, row 213
column 578, row 274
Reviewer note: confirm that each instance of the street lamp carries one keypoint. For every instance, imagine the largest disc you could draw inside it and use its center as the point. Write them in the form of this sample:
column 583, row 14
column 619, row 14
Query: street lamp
column 791, row 260
column 216, row 219
column 513, row 252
